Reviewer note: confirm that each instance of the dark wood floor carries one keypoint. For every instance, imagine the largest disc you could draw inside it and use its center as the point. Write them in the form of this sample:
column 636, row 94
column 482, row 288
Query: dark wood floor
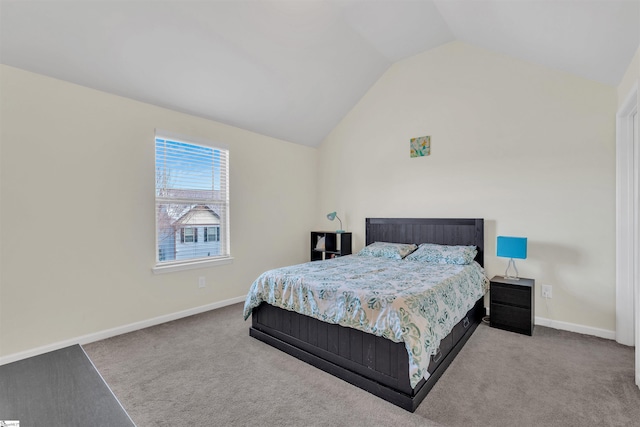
column 60, row 388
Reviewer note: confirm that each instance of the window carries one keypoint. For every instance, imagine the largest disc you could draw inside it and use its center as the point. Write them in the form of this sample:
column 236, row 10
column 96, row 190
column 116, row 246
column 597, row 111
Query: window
column 212, row 234
column 189, row 235
column 192, row 201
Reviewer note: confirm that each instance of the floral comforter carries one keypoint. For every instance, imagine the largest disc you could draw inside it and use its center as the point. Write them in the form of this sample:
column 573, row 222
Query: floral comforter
column 405, row 301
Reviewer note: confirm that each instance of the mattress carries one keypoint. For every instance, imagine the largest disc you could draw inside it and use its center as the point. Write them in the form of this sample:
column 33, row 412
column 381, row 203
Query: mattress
column 412, row 302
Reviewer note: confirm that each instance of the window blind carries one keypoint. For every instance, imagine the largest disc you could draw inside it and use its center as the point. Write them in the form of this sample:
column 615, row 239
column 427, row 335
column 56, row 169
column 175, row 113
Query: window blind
column 192, row 194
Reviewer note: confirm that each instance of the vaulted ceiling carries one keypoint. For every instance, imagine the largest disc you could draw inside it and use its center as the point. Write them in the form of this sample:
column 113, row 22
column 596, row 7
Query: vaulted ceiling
column 293, row 69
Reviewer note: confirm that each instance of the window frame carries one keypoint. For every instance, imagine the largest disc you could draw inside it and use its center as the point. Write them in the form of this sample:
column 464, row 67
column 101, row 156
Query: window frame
column 224, row 226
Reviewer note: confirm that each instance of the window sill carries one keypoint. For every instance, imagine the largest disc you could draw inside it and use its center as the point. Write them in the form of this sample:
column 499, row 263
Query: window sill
column 190, row 265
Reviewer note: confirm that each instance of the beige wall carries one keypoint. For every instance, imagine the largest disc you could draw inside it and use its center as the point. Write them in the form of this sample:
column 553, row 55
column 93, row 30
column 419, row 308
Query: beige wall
column 629, row 79
column 530, row 149
column 77, row 213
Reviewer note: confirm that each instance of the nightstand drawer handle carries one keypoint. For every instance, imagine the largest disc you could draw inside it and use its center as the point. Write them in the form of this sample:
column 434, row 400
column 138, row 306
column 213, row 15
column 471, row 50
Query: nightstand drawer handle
column 437, row 356
column 465, row 322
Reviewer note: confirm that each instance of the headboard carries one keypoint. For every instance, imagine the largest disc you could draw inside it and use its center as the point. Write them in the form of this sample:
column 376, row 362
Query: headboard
column 443, row 231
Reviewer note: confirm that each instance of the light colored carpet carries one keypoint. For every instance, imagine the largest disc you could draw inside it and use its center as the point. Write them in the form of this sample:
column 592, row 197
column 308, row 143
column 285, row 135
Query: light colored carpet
column 205, row 370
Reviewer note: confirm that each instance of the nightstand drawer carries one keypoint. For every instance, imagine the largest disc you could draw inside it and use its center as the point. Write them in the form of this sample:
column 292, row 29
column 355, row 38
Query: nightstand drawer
column 511, row 318
column 510, row 295
column 512, row 304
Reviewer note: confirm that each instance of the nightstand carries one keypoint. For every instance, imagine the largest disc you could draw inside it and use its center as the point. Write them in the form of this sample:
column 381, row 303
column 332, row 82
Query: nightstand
column 512, row 304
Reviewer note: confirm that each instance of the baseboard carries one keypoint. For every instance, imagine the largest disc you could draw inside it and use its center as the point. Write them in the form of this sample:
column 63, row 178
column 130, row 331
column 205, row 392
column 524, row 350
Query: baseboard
column 572, row 327
column 108, row 333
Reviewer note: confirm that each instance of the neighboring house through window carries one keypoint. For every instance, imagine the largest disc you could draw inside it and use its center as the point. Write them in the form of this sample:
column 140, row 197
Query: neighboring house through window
column 192, row 200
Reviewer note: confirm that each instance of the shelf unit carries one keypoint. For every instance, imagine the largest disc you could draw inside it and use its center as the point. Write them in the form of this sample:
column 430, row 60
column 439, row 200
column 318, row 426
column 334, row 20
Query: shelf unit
column 335, row 245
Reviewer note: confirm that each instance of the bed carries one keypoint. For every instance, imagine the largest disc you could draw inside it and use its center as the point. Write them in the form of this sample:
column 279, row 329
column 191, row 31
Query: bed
column 374, row 359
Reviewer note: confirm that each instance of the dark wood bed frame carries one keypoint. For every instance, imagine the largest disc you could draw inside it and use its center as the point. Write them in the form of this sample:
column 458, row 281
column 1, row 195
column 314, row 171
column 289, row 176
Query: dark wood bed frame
column 375, row 364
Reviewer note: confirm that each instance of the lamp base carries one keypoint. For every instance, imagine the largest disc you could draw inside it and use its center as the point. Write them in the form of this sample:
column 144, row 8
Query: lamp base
column 506, row 273
column 340, row 231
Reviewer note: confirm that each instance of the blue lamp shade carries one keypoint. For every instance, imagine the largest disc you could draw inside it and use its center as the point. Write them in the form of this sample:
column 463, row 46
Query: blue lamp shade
column 512, row 247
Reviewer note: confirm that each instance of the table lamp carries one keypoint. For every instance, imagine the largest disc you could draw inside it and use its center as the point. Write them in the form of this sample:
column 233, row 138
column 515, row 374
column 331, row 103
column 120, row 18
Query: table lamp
column 331, row 216
column 512, row 247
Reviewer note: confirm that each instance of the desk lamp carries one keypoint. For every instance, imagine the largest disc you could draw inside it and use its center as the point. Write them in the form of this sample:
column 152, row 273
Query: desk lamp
column 331, row 216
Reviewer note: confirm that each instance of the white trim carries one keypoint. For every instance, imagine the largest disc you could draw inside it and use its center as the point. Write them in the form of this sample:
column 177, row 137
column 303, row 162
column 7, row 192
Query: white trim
column 97, row 336
column 637, row 236
column 626, row 220
column 170, row 267
column 573, row 327
column 165, row 134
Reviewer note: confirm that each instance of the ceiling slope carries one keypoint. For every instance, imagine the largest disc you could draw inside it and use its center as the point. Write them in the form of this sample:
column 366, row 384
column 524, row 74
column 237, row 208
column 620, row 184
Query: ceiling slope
column 293, row 69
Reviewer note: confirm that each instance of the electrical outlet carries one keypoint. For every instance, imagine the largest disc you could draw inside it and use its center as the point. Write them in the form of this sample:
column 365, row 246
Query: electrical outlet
column 547, row 291
column 202, row 282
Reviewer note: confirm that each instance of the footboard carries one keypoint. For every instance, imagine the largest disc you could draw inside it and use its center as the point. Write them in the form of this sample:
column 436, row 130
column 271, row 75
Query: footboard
column 372, row 363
